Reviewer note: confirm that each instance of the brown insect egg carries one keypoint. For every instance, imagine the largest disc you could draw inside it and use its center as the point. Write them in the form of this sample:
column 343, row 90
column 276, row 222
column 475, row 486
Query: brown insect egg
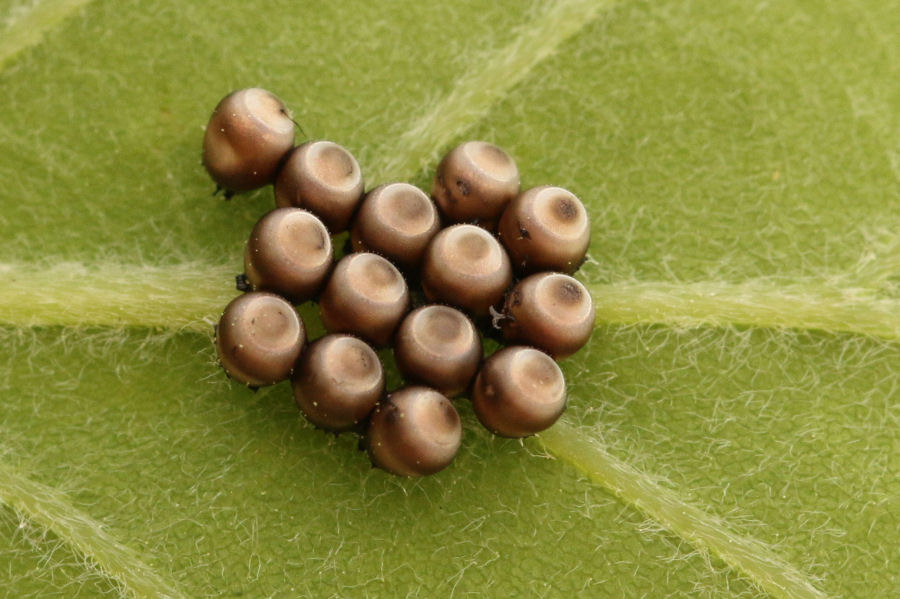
column 545, row 228
column 550, row 311
column 474, row 182
column 259, row 338
column 415, row 432
column 289, row 253
column 396, row 220
column 438, row 346
column 466, row 266
column 249, row 133
column 365, row 296
column 337, row 382
column 518, row 392
column 324, row 178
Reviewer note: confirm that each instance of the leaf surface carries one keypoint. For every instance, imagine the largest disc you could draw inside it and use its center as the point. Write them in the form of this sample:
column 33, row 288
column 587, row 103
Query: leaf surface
column 733, row 423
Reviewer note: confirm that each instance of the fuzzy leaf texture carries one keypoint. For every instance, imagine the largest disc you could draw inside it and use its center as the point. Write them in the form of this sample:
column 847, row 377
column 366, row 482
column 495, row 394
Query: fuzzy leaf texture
column 733, row 424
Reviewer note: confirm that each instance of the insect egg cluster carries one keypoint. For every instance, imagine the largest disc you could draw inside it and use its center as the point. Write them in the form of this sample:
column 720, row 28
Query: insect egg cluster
column 428, row 276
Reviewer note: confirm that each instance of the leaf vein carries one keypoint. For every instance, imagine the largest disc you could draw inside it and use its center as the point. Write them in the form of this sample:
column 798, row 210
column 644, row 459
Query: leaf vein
column 487, row 82
column 50, row 508
column 756, row 560
column 27, row 27
column 190, row 297
column 756, row 303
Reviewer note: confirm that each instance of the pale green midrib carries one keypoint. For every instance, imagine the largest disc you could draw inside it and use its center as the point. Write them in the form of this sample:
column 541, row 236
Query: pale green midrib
column 181, row 297
column 703, row 530
column 51, row 509
column 30, row 26
column 480, row 88
column 754, row 303
column 191, row 297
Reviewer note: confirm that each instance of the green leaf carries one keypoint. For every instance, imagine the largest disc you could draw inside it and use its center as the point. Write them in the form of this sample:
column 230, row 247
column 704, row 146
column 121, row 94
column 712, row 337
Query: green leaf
column 733, row 423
